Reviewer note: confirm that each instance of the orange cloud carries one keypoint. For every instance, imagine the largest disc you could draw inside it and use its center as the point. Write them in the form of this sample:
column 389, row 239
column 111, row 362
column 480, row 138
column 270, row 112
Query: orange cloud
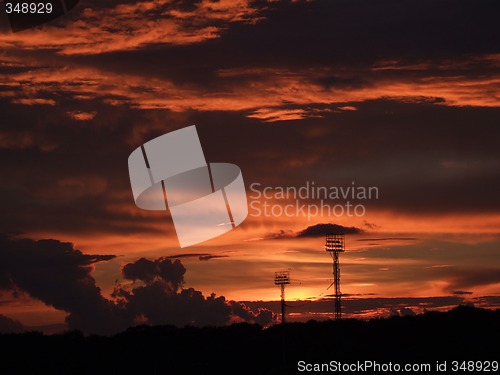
column 34, row 101
column 121, row 27
column 81, row 116
column 268, row 96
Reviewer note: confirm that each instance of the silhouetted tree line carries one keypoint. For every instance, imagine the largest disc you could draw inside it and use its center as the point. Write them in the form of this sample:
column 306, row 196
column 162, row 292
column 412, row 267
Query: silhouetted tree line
column 464, row 333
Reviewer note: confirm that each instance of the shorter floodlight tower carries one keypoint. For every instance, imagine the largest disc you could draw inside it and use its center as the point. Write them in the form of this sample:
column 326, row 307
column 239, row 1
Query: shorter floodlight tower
column 335, row 244
column 282, row 278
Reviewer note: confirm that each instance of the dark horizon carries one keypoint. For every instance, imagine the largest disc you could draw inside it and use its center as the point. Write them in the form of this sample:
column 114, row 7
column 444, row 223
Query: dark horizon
column 408, row 342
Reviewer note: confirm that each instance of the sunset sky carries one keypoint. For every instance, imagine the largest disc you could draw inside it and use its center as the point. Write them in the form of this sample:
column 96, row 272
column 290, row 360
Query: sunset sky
column 399, row 95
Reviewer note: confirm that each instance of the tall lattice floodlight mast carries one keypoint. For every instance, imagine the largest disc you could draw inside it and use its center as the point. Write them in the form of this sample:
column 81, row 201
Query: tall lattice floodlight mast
column 335, row 244
column 282, row 278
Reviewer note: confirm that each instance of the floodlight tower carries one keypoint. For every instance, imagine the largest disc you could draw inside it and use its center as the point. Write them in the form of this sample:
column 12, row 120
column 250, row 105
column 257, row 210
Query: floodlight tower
column 282, row 278
column 335, row 244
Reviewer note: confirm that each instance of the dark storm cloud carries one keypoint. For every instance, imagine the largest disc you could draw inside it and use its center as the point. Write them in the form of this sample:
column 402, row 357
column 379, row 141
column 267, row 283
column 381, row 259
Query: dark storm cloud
column 148, row 271
column 461, row 293
column 155, row 304
column 162, row 301
column 60, row 276
column 322, row 229
column 262, row 317
column 317, row 230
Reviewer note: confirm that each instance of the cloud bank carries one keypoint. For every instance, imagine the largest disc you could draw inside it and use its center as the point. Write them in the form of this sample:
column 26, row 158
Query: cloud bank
column 60, row 276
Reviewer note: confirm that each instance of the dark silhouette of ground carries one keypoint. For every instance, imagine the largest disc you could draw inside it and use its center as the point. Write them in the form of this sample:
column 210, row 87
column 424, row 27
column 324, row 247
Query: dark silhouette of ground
column 464, row 333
